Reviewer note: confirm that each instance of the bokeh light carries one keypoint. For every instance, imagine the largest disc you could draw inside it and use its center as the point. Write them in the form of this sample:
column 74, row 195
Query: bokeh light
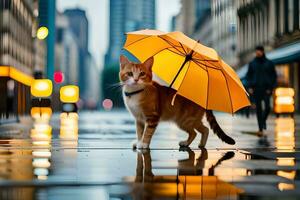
column 41, row 88
column 107, row 104
column 42, row 33
column 58, row 77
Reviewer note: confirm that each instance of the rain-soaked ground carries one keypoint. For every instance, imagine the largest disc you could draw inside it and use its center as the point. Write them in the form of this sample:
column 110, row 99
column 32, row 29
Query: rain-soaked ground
column 90, row 157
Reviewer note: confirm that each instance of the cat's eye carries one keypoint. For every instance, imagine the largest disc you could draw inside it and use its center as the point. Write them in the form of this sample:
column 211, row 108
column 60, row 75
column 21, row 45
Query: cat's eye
column 142, row 74
column 129, row 73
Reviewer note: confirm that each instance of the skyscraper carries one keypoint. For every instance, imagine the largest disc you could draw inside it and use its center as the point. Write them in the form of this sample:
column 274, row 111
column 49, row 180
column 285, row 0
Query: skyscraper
column 79, row 25
column 127, row 15
column 66, row 50
column 47, row 12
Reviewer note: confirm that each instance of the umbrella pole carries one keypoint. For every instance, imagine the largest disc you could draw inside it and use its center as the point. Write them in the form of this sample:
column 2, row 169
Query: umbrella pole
column 188, row 58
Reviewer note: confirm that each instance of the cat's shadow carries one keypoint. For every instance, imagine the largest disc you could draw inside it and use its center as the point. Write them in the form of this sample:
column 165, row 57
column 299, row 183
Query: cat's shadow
column 147, row 185
column 191, row 166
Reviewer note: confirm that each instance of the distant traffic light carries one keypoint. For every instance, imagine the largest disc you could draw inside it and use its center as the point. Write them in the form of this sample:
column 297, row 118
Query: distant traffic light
column 58, row 77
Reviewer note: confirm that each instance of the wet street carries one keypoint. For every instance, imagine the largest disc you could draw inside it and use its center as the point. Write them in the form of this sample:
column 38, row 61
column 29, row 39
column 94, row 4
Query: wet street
column 90, row 157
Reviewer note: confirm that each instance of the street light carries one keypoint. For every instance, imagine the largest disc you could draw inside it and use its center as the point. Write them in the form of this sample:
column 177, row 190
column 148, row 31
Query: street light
column 41, row 88
column 69, row 94
column 42, row 33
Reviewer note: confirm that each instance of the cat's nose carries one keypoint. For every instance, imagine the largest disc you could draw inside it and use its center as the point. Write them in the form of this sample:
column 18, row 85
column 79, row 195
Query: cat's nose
column 136, row 80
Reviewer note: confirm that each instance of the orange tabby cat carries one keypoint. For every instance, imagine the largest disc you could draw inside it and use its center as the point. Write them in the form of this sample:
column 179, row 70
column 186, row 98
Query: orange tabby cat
column 150, row 103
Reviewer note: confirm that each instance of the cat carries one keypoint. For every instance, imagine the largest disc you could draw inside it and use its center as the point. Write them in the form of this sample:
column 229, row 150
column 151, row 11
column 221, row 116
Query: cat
column 150, row 103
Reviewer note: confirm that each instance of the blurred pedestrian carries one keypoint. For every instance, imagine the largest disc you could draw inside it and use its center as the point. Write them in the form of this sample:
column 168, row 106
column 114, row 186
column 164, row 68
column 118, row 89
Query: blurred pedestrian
column 261, row 78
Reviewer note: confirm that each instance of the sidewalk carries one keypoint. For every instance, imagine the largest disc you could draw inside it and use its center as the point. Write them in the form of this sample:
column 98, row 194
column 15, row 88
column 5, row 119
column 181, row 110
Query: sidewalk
column 101, row 161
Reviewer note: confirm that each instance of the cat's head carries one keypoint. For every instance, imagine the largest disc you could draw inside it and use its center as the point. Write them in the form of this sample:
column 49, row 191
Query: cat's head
column 134, row 74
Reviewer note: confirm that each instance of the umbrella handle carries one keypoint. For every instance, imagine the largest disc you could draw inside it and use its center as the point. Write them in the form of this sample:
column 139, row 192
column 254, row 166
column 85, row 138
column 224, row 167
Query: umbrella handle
column 173, row 99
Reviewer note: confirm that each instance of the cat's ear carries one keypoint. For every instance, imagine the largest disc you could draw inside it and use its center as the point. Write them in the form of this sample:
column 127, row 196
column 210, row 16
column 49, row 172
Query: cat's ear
column 148, row 63
column 123, row 61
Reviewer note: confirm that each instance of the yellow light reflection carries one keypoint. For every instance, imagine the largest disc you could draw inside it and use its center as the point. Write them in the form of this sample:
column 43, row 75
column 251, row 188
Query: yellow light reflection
column 286, row 186
column 285, row 141
column 287, row 174
column 69, row 126
column 285, row 133
column 41, row 135
column 41, row 112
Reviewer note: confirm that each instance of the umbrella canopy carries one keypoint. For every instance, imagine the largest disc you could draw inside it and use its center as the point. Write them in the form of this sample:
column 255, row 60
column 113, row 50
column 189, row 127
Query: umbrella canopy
column 194, row 70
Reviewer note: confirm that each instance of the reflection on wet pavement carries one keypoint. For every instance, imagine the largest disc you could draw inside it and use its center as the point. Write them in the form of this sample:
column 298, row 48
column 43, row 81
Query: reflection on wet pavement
column 83, row 157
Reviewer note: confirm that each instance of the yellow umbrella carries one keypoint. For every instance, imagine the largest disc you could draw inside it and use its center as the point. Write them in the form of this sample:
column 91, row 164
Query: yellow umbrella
column 194, row 70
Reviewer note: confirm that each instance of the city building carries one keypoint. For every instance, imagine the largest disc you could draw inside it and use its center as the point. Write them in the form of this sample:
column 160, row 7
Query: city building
column 203, row 23
column 274, row 24
column 224, row 26
column 47, row 12
column 125, row 16
column 66, row 50
column 186, row 18
column 18, row 56
column 93, row 94
column 79, row 26
column 213, row 23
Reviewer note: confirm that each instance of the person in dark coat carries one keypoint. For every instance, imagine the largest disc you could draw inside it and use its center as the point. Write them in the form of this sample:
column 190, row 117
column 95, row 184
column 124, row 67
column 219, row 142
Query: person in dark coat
column 261, row 78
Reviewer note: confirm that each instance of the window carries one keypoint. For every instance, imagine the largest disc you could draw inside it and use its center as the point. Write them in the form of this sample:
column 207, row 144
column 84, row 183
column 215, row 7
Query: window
column 290, row 15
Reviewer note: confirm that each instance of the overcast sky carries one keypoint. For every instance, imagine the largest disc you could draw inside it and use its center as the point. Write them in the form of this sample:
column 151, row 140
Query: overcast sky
column 97, row 14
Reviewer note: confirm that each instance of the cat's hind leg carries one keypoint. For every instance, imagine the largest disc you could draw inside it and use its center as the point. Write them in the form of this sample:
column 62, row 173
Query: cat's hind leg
column 192, row 134
column 204, row 135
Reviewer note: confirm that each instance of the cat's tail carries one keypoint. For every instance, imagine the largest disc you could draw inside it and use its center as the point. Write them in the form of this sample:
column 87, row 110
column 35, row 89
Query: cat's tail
column 217, row 129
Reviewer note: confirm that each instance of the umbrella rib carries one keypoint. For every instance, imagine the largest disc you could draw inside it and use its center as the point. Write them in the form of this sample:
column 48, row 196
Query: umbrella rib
column 228, row 91
column 170, row 43
column 166, row 49
column 198, row 59
column 176, row 52
column 207, row 92
column 138, row 41
column 198, row 63
column 183, row 48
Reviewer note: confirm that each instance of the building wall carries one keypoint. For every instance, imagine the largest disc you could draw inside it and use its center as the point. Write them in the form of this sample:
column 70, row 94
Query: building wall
column 92, row 95
column 203, row 24
column 66, row 50
column 125, row 16
column 224, row 19
column 186, row 18
column 274, row 24
column 18, row 25
column 270, row 23
column 213, row 22
column 79, row 26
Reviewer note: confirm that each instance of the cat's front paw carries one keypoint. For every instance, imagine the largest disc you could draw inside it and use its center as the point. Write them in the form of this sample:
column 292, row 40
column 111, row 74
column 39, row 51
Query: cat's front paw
column 134, row 144
column 142, row 145
column 184, row 144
